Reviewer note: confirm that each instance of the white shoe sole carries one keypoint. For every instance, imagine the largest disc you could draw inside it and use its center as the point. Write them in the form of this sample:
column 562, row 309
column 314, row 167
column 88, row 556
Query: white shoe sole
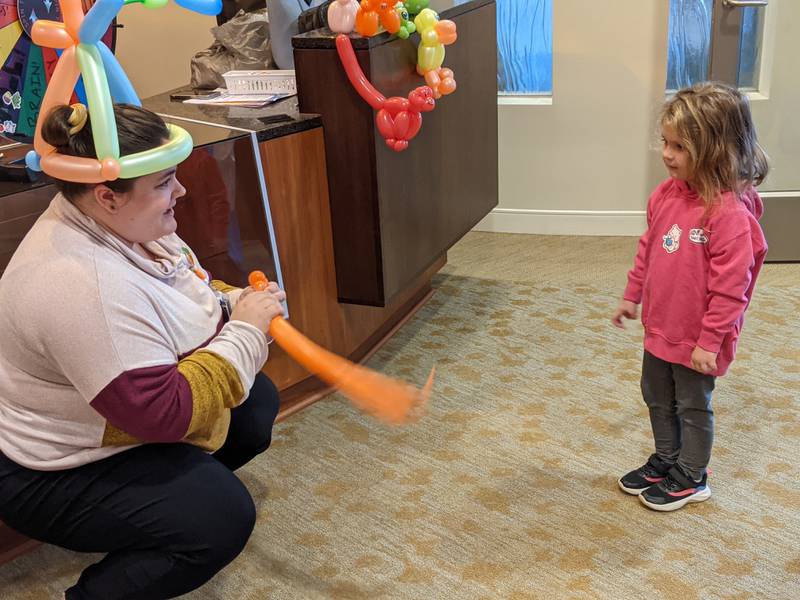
column 627, row 490
column 698, row 497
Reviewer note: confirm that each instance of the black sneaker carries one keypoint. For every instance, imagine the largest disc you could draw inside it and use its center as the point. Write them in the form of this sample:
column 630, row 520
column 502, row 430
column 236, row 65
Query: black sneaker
column 651, row 472
column 675, row 491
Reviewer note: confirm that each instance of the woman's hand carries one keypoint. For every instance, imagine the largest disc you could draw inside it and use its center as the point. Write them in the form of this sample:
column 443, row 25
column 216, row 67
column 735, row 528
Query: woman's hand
column 626, row 309
column 259, row 308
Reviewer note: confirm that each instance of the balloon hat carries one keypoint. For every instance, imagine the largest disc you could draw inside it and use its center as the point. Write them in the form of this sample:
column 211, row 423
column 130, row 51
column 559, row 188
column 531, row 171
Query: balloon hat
column 84, row 54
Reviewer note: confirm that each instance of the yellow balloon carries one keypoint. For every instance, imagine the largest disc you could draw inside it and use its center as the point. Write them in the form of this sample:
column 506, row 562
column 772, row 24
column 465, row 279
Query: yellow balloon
column 426, row 19
column 429, row 37
column 430, row 58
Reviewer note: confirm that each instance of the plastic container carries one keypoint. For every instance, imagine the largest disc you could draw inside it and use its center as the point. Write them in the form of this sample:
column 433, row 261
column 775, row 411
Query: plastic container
column 260, row 82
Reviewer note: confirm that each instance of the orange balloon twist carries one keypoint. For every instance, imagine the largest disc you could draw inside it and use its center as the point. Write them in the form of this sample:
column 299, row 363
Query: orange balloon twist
column 385, row 398
column 367, row 18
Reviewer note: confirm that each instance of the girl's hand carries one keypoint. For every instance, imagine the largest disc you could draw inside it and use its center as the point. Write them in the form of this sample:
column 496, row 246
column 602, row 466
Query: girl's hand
column 626, row 309
column 703, row 361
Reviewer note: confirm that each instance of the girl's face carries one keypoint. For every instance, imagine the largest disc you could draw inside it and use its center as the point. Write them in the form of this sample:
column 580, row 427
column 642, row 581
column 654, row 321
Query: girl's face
column 145, row 213
column 676, row 157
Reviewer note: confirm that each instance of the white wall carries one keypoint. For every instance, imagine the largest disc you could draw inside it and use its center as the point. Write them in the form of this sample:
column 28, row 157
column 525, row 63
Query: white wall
column 586, row 163
column 156, row 45
column 776, row 110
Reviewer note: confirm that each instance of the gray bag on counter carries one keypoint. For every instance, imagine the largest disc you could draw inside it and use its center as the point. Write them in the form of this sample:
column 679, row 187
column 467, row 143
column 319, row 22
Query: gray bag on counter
column 242, row 43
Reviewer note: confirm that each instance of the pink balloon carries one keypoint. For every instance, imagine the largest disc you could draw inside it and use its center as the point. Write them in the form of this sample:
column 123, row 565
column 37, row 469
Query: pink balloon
column 342, row 15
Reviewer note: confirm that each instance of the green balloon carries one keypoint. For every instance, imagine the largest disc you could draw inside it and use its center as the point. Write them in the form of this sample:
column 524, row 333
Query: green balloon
column 176, row 150
column 98, row 97
column 415, row 6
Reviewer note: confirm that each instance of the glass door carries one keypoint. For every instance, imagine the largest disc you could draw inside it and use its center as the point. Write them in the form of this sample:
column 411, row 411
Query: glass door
column 754, row 44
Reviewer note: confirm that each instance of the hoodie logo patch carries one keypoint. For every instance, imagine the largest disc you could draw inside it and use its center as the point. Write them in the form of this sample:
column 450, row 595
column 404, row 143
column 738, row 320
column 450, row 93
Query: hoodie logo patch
column 672, row 240
column 698, row 236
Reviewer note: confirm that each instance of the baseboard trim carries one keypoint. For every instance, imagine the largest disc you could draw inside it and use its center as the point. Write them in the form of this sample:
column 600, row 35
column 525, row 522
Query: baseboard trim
column 565, row 222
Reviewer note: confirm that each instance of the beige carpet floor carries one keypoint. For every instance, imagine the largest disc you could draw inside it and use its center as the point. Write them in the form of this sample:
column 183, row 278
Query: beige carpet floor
column 506, row 489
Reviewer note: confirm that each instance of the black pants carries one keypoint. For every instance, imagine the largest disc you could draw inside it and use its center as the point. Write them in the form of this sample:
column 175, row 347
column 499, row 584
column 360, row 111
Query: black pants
column 169, row 516
column 679, row 400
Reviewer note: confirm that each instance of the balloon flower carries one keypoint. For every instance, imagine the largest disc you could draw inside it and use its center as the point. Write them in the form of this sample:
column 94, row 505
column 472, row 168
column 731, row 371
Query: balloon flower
column 84, row 54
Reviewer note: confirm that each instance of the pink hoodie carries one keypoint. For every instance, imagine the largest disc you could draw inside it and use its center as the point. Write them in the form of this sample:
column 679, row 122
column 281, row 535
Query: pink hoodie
column 694, row 282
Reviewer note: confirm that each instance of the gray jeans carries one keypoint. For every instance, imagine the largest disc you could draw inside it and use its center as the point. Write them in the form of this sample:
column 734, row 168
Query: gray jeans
column 679, row 400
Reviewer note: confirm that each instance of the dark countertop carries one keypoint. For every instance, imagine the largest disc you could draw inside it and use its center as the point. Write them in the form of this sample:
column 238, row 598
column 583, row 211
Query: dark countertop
column 325, row 38
column 13, row 176
column 275, row 120
column 206, row 124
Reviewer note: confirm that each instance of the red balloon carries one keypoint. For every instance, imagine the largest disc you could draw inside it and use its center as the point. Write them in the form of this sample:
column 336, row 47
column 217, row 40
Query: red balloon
column 398, row 119
column 356, row 76
column 385, row 123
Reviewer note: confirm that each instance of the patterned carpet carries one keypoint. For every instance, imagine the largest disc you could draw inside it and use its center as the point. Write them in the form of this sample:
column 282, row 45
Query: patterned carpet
column 506, row 489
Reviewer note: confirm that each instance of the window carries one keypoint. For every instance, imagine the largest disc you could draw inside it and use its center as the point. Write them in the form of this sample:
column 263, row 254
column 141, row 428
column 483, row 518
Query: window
column 690, row 44
column 525, row 47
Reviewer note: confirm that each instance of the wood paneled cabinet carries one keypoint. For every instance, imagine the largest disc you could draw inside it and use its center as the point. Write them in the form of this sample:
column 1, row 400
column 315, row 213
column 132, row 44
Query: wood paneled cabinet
column 393, row 214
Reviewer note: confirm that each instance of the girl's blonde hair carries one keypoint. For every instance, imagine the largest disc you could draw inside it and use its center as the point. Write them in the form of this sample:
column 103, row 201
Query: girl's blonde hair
column 714, row 123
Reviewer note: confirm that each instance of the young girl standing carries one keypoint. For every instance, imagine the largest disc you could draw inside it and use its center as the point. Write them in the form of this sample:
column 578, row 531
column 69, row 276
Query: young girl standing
column 694, row 275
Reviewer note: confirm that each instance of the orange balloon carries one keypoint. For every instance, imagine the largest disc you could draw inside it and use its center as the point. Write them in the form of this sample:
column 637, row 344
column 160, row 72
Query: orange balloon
column 367, row 20
column 390, row 18
column 59, row 91
column 385, row 398
column 110, row 168
column 73, row 168
column 72, row 14
column 448, row 86
column 51, row 34
column 446, row 30
column 257, row 280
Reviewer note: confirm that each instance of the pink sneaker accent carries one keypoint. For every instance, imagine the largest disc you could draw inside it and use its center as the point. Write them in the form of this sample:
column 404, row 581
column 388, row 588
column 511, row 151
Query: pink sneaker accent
column 683, row 493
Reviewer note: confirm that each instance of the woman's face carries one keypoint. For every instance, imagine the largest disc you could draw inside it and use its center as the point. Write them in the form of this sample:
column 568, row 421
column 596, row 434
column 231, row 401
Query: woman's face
column 145, row 213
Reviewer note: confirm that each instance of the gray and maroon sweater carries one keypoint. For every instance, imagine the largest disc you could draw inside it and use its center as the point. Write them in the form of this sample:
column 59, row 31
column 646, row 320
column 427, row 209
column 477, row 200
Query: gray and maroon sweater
column 102, row 349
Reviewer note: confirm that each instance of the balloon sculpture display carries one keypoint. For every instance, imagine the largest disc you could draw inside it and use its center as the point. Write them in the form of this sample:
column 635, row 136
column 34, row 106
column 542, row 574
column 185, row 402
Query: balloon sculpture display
column 434, row 36
column 398, row 119
column 85, row 54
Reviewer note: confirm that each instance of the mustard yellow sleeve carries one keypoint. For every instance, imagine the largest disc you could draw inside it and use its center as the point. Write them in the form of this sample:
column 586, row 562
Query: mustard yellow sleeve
column 223, row 287
column 214, row 386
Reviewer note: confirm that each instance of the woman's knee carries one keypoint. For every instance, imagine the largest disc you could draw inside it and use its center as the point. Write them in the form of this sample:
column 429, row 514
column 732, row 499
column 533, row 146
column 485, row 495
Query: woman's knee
column 266, row 403
column 240, row 522
column 268, row 395
column 227, row 525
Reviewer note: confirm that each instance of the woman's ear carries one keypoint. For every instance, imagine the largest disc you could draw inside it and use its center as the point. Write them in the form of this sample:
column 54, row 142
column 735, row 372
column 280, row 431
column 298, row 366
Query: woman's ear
column 107, row 199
